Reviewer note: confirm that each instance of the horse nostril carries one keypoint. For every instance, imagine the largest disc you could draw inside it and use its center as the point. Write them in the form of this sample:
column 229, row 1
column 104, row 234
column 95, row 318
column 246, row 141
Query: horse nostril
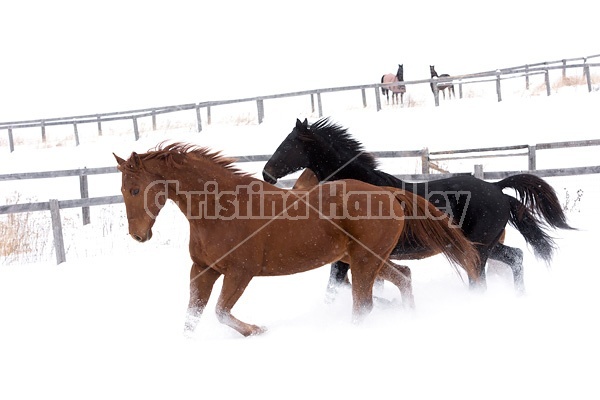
column 267, row 177
column 138, row 238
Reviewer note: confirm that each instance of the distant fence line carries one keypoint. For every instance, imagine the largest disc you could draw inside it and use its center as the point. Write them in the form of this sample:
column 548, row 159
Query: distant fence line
column 460, row 80
column 427, row 163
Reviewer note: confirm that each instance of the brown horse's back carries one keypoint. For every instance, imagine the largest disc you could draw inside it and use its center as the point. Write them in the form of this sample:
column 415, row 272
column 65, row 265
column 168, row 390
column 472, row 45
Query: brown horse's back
column 296, row 231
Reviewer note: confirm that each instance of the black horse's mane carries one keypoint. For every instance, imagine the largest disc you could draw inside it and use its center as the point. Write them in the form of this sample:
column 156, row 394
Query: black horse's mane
column 342, row 142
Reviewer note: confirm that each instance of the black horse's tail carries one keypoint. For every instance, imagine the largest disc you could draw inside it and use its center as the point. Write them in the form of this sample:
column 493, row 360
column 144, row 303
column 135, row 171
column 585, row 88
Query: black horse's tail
column 383, row 90
column 538, row 209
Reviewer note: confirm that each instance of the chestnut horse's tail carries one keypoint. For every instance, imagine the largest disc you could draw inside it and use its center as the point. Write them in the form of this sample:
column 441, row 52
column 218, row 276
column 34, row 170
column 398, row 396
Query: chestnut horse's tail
column 432, row 230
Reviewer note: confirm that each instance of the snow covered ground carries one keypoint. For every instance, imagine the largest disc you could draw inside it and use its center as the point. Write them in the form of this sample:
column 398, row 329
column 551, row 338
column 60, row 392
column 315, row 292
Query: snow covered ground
column 108, row 322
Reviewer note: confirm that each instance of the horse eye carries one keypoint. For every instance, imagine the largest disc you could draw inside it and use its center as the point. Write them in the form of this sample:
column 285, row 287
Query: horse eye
column 134, row 192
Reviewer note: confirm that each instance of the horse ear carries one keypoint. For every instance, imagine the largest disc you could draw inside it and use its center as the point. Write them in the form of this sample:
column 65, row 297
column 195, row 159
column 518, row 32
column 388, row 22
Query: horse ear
column 305, row 123
column 120, row 161
column 136, row 161
column 298, row 123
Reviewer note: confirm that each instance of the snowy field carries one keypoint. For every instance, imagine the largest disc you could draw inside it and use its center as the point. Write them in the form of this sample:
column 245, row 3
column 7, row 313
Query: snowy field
column 108, row 322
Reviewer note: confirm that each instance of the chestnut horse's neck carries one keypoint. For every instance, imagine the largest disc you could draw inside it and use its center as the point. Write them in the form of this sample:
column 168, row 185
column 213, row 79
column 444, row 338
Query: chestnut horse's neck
column 190, row 177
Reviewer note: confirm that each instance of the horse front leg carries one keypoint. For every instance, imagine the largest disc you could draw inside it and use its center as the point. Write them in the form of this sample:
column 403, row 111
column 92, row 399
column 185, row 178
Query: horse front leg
column 234, row 284
column 202, row 280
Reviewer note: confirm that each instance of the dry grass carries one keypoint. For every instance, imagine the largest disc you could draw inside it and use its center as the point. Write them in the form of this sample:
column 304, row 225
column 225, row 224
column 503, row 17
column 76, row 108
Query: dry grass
column 579, row 80
column 23, row 237
column 565, row 81
column 412, row 101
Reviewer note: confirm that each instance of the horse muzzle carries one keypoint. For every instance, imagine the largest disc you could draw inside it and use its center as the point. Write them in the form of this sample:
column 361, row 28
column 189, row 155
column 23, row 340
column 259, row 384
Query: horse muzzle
column 268, row 177
column 142, row 237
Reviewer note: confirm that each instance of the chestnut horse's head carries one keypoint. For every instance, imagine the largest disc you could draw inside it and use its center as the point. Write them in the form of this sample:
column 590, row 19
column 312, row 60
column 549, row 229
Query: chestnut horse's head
column 144, row 194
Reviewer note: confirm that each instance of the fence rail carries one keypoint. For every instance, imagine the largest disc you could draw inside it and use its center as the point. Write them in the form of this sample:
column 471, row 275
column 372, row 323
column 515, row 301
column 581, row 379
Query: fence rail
column 134, row 115
column 85, row 202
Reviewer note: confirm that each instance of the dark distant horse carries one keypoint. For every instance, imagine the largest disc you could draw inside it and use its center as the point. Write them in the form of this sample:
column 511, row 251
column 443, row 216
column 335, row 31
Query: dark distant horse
column 395, row 89
column 242, row 227
column 442, row 86
column 479, row 208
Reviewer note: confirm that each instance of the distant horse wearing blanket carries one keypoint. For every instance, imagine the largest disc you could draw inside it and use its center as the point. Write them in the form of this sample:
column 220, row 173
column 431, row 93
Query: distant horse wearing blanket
column 391, row 79
column 442, row 86
column 479, row 208
column 242, row 227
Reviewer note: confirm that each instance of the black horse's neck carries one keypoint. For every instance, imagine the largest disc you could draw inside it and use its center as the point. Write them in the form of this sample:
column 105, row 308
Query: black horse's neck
column 400, row 73
column 335, row 155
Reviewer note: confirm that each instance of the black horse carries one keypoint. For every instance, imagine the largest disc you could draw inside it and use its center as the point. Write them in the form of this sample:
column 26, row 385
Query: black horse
column 442, row 86
column 479, row 208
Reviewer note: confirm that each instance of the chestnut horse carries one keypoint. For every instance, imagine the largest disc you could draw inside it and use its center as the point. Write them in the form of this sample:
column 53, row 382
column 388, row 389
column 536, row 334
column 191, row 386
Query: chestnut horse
column 391, row 79
column 242, row 227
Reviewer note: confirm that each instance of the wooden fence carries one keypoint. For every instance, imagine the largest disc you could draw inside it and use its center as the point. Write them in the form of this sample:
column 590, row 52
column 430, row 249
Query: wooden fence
column 498, row 76
column 427, row 159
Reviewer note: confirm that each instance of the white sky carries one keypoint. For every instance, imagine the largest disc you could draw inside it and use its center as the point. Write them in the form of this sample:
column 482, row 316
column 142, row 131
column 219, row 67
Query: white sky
column 66, row 58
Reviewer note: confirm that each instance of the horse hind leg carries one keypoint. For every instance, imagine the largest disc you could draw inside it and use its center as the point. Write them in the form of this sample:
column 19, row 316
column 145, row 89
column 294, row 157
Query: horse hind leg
column 365, row 267
column 400, row 275
column 338, row 276
column 513, row 257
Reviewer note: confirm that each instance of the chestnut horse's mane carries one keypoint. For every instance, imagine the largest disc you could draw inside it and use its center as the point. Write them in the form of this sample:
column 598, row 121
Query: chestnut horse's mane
column 174, row 154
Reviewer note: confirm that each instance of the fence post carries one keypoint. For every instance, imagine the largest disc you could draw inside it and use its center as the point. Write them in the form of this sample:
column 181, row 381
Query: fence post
column 43, row 126
column 460, row 89
column 153, row 120
column 436, row 92
column 59, row 243
column 377, row 99
column 208, row 115
column 11, row 142
column 425, row 160
column 76, row 133
column 83, row 190
column 198, row 119
column 531, row 158
column 478, row 173
column 319, row 104
column 547, row 79
column 312, row 103
column 527, row 77
column 99, row 125
column 261, row 110
column 498, row 89
column 586, row 71
column 364, row 97
column 564, row 69
column 136, row 131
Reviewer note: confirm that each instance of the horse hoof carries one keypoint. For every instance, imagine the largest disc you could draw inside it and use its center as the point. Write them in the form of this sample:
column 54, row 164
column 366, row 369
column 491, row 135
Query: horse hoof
column 188, row 333
column 256, row 330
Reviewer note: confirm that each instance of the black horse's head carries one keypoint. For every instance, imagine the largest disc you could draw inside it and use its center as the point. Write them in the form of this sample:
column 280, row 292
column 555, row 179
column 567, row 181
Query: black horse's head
column 400, row 73
column 432, row 71
column 291, row 155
